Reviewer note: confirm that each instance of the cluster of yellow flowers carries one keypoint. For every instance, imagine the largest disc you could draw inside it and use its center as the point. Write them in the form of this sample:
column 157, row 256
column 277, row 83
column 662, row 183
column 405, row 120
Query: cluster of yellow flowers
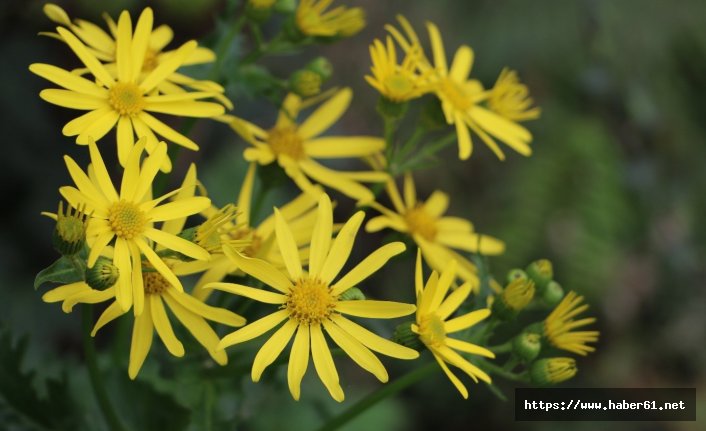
column 131, row 244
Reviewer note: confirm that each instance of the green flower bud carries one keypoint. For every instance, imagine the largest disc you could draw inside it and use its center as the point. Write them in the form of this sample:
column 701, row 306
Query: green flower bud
column 541, row 272
column 70, row 230
column 259, row 10
column 432, row 117
column 322, row 67
column 553, row 294
column 405, row 336
column 305, row 83
column 285, row 6
column 551, row 371
column 352, row 294
column 103, row 274
column 515, row 274
column 518, row 294
column 526, row 346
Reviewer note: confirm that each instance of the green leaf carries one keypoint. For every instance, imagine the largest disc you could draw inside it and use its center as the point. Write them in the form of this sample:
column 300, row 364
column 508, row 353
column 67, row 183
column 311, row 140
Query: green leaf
column 19, row 398
column 62, row 271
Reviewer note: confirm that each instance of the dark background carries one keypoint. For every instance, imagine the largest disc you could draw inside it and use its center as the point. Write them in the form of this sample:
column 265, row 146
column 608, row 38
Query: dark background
column 613, row 194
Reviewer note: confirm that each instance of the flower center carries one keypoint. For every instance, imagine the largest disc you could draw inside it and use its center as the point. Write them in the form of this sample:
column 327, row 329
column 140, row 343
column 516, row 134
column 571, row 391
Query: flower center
column 419, row 222
column 149, row 63
column 284, row 140
column 249, row 237
column 126, row 98
column 310, row 301
column 398, row 86
column 154, row 283
column 126, row 219
column 455, row 94
column 431, row 331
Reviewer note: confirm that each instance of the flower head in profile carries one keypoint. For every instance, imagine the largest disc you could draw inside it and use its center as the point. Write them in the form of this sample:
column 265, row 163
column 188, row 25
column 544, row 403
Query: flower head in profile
column 462, row 98
column 397, row 82
column 550, row 371
column 559, row 326
column 297, row 146
column 433, row 325
column 313, row 19
column 311, row 303
column 125, row 218
column 234, row 226
column 510, row 98
column 160, row 295
column 435, row 234
column 123, row 97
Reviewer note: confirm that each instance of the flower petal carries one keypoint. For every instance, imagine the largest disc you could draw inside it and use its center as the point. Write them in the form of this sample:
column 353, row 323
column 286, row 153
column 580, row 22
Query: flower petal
column 176, row 243
column 249, row 292
column 367, row 266
column 357, row 351
column 272, row 349
column 375, row 342
column 375, row 309
column 323, row 363
column 287, row 246
column 325, row 115
column 298, row 361
column 261, row 270
column 465, row 321
column 215, row 314
column 341, row 247
column 164, row 327
column 321, row 236
column 254, row 329
column 343, row 147
column 142, row 332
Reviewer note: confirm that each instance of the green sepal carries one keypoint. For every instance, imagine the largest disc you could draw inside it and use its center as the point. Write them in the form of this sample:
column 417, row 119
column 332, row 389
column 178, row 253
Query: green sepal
column 64, row 271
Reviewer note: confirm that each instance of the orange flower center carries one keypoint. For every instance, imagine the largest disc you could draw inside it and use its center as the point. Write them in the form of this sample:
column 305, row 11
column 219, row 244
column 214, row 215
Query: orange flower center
column 421, row 223
column 154, row 283
column 286, row 141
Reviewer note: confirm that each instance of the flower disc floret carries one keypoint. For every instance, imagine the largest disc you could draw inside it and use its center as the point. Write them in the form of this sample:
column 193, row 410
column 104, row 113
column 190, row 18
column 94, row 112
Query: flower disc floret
column 286, row 141
column 126, row 98
column 310, row 301
column 431, row 331
column 420, row 222
column 126, row 219
column 154, row 283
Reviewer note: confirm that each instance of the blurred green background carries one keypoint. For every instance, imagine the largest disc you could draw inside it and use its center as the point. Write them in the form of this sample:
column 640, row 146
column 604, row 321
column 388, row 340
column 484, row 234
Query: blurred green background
column 613, row 195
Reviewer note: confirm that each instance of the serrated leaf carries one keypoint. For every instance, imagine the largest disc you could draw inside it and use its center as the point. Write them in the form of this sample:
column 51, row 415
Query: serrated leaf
column 62, row 271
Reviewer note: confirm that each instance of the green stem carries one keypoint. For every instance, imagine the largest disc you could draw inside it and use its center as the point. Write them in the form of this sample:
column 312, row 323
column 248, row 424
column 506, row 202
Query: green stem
column 111, row 417
column 501, row 348
column 499, row 371
column 372, row 399
column 223, row 45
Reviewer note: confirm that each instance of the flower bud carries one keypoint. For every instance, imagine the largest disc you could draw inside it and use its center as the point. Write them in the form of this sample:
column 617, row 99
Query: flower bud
column 103, row 274
column 518, row 294
column 322, row 67
column 352, row 294
column 405, row 336
column 70, row 230
column 516, row 273
column 541, row 272
column 553, row 293
column 305, row 83
column 526, row 346
column 392, row 110
column 552, row 370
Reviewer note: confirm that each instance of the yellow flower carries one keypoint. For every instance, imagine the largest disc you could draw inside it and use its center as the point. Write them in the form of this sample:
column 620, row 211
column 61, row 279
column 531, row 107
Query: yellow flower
column 560, row 324
column 128, row 100
column 313, row 20
column 191, row 312
column 309, row 302
column 397, row 82
column 461, row 97
column 103, row 46
column 510, row 98
column 128, row 217
column 433, row 311
column 244, row 235
column 435, row 234
column 552, row 370
column 296, row 146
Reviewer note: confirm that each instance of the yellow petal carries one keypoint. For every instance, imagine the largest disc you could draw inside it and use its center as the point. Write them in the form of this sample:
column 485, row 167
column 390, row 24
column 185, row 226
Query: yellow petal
column 455, row 380
column 102, row 176
column 137, row 283
column 245, row 197
column 125, row 137
column 254, row 329
column 465, row 321
column 68, row 80
column 374, row 342
column 457, row 360
column 261, row 270
column 432, row 297
column 367, row 266
column 111, row 313
column 453, row 301
column 410, row 192
column 437, row 47
column 79, row 124
column 72, row 99
column 121, row 259
column 467, row 347
column 86, row 57
column 298, row 361
column 342, row 147
column 325, row 115
column 321, row 236
column 168, row 66
column 99, row 128
column 142, row 332
column 158, row 264
column 62, row 292
column 272, row 349
column 358, row 352
column 335, row 180
column 323, row 363
column 375, row 309
column 186, row 108
column 437, row 204
column 179, row 208
column 140, row 42
column 215, row 314
column 167, row 132
column 465, row 146
column 123, row 47
column 150, row 167
column 462, row 63
column 164, row 327
column 288, row 247
column 341, row 248
column 249, row 292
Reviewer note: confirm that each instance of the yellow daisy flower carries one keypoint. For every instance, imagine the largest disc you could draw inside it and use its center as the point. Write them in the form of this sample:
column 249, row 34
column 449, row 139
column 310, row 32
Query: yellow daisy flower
column 510, row 98
column 560, row 324
column 296, row 147
column 191, row 312
column 433, row 325
column 239, row 231
column 128, row 100
column 309, row 302
column 128, row 216
column 103, row 46
column 397, row 82
column 312, row 19
column 461, row 97
column 435, row 234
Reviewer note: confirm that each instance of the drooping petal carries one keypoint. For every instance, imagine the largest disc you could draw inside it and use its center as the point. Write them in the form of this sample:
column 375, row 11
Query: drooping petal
column 215, row 314
column 254, row 329
column 375, row 342
column 467, row 347
column 176, row 243
column 261, row 270
column 323, row 363
column 272, row 349
column 164, row 327
column 357, row 351
column 455, row 380
column 298, row 361
column 142, row 332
